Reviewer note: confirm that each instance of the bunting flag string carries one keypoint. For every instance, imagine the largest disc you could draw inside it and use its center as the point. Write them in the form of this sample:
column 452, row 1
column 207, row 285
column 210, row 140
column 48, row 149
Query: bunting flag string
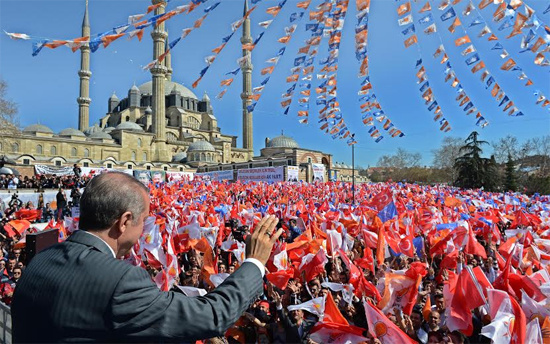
column 313, row 41
column 463, row 100
column 371, row 108
column 210, row 59
column 426, row 91
column 473, row 58
column 272, row 62
column 247, row 48
column 106, row 38
column 333, row 26
column 528, row 43
column 185, row 33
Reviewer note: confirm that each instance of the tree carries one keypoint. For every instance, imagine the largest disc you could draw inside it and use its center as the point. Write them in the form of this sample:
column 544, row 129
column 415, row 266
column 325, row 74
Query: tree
column 470, row 166
column 401, row 159
column 8, row 114
column 510, row 181
column 445, row 157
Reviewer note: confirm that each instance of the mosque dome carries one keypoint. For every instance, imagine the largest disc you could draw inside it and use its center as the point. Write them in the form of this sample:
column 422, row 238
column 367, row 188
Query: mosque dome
column 129, row 126
column 178, row 157
column 148, row 111
column 337, row 165
column 201, row 146
column 114, row 97
column 100, row 135
column 169, row 86
column 205, row 97
column 282, row 142
column 71, row 132
column 108, row 129
column 37, row 128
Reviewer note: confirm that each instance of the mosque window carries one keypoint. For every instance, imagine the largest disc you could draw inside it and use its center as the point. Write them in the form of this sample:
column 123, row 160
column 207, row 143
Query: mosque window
column 309, row 160
column 193, row 123
column 203, row 157
column 181, row 169
column 165, row 168
column 171, row 136
column 139, row 142
column 74, row 151
column 109, row 165
column 127, row 118
column 148, row 168
column 129, row 167
column 144, row 156
column 57, row 163
column 15, row 148
column 134, row 156
column 26, row 162
column 39, row 149
column 86, row 153
column 53, row 150
column 85, row 164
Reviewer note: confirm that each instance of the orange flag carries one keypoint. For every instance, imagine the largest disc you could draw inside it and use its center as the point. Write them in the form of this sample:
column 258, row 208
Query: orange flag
column 454, row 25
column 303, row 4
column 381, row 246
column 273, row 10
column 495, row 90
column 426, row 7
column 508, row 64
column 478, row 67
column 427, row 308
column 462, row 40
column 410, row 41
column 110, row 39
column 226, row 82
column 403, row 9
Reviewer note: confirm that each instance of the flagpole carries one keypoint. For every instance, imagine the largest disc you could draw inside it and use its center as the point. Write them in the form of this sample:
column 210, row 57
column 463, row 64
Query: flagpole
column 353, row 172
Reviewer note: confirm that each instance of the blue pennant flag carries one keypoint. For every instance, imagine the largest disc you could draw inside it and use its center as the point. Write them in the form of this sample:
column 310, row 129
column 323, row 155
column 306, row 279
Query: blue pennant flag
column 408, row 30
column 424, row 86
column 497, row 46
column 468, row 106
column 450, row 13
column 286, row 110
column 432, row 106
column 37, row 46
column 388, row 212
column 172, row 44
column 264, row 82
column 281, row 51
column 211, row 7
column 427, row 19
column 472, row 59
column 418, row 63
column 234, row 71
column 477, row 21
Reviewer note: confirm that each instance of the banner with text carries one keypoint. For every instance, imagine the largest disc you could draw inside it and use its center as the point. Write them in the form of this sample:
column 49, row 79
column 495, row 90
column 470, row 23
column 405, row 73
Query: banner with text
column 261, row 174
column 292, row 173
column 216, row 175
column 318, row 172
column 178, row 176
column 57, row 170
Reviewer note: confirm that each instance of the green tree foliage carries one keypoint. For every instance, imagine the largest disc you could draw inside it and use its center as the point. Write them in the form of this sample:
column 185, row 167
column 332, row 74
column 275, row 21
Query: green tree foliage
column 510, row 179
column 474, row 171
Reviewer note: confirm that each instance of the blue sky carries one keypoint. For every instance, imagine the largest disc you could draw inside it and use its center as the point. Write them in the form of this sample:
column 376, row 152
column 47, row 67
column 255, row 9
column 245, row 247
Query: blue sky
column 45, row 87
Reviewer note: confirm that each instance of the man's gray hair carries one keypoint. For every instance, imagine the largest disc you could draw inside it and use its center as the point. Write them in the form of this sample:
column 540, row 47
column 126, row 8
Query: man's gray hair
column 107, row 197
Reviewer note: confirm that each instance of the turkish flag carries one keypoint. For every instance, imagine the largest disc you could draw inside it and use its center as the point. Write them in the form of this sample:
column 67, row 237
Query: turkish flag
column 382, row 199
column 280, row 278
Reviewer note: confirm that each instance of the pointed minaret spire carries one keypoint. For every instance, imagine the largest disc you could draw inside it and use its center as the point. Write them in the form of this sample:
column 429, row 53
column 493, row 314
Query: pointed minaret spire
column 247, row 87
column 84, row 73
column 168, row 59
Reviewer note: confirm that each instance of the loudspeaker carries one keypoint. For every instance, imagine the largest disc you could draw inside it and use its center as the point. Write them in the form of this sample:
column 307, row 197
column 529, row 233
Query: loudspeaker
column 40, row 241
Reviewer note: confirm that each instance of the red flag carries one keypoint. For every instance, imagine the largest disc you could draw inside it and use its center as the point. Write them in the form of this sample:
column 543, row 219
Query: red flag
column 280, row 278
column 383, row 328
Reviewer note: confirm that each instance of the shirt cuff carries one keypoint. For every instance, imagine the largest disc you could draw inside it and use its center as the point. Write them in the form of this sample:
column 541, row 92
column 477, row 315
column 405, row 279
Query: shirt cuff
column 257, row 263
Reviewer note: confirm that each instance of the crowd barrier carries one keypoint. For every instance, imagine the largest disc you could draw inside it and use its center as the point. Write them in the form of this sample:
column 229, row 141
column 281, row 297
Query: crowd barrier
column 5, row 324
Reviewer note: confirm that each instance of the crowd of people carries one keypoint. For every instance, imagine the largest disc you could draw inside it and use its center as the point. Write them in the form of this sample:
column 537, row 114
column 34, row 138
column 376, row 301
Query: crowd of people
column 392, row 263
column 42, row 182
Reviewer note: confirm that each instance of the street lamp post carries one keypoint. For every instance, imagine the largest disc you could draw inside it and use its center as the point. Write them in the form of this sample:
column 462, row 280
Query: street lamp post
column 353, row 171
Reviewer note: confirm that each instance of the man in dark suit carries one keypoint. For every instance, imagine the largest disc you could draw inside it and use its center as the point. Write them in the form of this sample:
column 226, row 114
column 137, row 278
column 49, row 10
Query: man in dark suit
column 79, row 291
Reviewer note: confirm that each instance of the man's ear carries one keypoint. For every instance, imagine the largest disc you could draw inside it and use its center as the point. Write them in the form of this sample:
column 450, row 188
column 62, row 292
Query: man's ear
column 124, row 221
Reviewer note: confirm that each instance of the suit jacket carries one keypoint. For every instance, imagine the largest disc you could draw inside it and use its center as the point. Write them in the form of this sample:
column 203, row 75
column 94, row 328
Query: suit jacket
column 77, row 291
column 294, row 333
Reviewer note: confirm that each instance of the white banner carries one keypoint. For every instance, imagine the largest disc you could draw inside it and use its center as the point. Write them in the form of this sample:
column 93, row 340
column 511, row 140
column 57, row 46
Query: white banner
column 216, row 175
column 261, row 174
column 292, row 173
column 57, row 170
column 318, row 172
column 178, row 176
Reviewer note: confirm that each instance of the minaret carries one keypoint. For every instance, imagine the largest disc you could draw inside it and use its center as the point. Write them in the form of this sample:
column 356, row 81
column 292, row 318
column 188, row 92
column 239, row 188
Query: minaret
column 168, row 61
column 247, row 87
column 84, row 73
column 158, row 72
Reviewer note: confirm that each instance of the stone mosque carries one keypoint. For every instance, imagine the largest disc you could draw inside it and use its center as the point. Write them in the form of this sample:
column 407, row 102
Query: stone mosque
column 159, row 125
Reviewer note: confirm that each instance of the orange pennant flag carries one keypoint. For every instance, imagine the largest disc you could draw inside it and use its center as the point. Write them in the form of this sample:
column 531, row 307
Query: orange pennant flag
column 410, row 41
column 284, row 39
column 403, row 9
column 292, row 78
column 509, row 105
column 218, row 49
column 196, row 83
column 454, row 25
column 154, row 7
column 426, row 7
column 484, row 3
column 508, row 64
column 500, row 12
column 529, row 83
column 427, row 308
column 248, row 46
column 255, row 97
column 540, row 41
column 495, row 90
column 110, row 39
column 303, row 113
column 492, row 38
column 55, row 44
column 226, row 82
column 273, row 10
column 286, row 103
column 462, row 40
column 478, row 67
column 303, row 4
column 268, row 70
